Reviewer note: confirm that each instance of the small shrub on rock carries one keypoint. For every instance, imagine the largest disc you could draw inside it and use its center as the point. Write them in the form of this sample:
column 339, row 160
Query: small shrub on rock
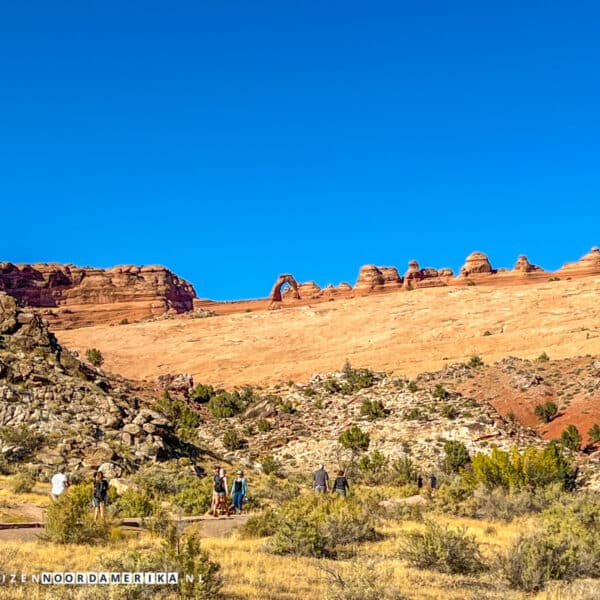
column 270, row 465
column 202, row 393
column 571, row 438
column 475, row 361
column 180, row 414
column 94, row 356
column 594, row 433
column 263, row 425
column 226, row 404
column 546, row 411
column 23, row 482
column 457, row 456
column 24, row 441
column 373, row 409
column 232, row 441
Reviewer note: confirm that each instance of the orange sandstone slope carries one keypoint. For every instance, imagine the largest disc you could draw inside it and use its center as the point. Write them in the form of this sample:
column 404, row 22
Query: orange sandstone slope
column 407, row 332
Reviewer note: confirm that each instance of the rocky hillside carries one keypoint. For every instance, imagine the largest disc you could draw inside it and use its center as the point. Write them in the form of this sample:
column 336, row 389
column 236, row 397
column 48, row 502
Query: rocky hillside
column 56, row 410
column 71, row 296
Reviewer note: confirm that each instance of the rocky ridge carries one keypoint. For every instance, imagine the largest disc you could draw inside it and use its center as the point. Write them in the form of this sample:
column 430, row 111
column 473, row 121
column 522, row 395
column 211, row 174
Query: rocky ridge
column 72, row 296
column 73, row 414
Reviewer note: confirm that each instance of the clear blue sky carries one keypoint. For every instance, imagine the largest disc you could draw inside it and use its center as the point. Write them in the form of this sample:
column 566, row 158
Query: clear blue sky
column 232, row 141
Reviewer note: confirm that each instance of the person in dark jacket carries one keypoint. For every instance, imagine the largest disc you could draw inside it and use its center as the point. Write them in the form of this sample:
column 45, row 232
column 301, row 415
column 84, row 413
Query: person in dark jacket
column 340, row 485
column 100, row 495
column 321, row 480
column 434, row 483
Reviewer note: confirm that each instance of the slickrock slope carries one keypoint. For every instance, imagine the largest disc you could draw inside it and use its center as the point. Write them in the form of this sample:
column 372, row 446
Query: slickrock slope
column 408, row 332
column 79, row 296
column 82, row 417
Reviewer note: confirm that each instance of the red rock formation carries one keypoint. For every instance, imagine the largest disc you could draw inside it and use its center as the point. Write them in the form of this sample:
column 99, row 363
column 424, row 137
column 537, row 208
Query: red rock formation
column 524, row 266
column 275, row 295
column 372, row 278
column 427, row 277
column 309, row 289
column 78, row 296
column 586, row 265
column 477, row 262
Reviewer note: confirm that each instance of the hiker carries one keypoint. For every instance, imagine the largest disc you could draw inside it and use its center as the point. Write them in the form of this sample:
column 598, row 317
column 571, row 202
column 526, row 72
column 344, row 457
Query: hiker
column 220, row 489
column 321, row 480
column 238, row 491
column 340, row 485
column 419, row 483
column 215, row 497
column 433, row 483
column 100, row 494
column 59, row 483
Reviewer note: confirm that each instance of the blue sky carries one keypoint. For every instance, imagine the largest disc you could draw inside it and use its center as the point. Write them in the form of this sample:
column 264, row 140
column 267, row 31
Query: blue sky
column 232, row 141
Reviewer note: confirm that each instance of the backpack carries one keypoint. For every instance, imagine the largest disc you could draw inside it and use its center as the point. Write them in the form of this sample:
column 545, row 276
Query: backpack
column 218, row 484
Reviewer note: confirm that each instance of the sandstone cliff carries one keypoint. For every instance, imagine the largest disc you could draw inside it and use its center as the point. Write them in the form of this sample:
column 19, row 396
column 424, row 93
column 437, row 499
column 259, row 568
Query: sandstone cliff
column 372, row 278
column 78, row 296
column 586, row 265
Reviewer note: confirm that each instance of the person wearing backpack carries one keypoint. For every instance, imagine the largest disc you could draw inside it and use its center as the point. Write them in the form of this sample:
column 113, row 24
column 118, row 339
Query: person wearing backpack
column 220, row 490
column 238, row 491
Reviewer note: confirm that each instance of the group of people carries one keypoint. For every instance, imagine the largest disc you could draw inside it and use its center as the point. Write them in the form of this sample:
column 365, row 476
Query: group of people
column 237, row 493
column 60, row 482
column 341, row 487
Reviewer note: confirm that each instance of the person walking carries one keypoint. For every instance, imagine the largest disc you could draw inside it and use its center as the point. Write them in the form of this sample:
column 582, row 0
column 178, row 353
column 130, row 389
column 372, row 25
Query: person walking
column 238, row 491
column 320, row 480
column 215, row 497
column 220, row 489
column 340, row 485
column 433, row 483
column 419, row 484
column 59, row 484
column 100, row 495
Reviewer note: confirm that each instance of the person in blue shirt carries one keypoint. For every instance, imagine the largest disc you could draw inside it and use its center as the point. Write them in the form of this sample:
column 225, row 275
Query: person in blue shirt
column 238, row 491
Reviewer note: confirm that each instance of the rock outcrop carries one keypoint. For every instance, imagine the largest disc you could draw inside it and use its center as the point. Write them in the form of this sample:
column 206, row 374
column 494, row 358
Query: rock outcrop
column 586, row 265
column 427, row 277
column 78, row 296
column 524, row 266
column 372, row 278
column 61, row 411
column 286, row 278
column 476, row 262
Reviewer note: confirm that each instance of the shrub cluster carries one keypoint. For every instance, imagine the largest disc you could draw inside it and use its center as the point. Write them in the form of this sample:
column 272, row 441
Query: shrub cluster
column 226, row 404
column 94, row 356
column 179, row 413
column 546, row 411
column 25, row 441
column 373, row 409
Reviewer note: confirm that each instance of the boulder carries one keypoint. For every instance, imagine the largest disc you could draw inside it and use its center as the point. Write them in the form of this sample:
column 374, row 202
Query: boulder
column 524, row 266
column 476, row 262
column 372, row 278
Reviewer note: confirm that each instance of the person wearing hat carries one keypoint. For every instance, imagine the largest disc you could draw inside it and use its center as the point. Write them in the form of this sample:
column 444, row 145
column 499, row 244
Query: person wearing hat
column 238, row 491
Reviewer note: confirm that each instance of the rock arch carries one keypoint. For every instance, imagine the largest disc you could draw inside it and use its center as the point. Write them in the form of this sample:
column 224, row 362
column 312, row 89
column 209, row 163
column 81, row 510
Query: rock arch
column 275, row 295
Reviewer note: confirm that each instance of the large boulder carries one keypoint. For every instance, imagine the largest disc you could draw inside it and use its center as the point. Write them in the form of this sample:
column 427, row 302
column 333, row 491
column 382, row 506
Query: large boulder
column 476, row 262
column 524, row 266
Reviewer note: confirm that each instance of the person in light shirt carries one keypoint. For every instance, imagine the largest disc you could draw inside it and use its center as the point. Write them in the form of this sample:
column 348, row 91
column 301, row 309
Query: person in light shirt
column 59, row 484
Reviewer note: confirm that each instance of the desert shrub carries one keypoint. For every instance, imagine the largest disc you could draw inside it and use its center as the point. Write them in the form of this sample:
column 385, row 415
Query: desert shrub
column 285, row 406
column 449, row 411
column 274, row 489
column 69, row 520
column 25, row 441
column 264, row 425
column 414, row 414
column 471, row 283
column 179, row 553
column 180, row 414
column 315, row 525
column 373, row 468
column 571, row 438
column 135, row 503
column 124, row 322
column 232, row 441
column 23, row 482
column 94, row 356
column 534, row 559
column 443, row 549
column 412, row 387
column 440, row 392
column 475, row 361
column 594, row 433
column 202, row 393
column 404, row 470
column 457, row 456
column 357, row 379
column 532, row 468
column 157, row 481
column 195, row 495
column 487, row 333
column 270, row 465
column 546, row 411
column 226, row 404
column 261, row 525
column 308, row 391
column 355, row 439
column 359, row 580
column 543, row 357
column 373, row 409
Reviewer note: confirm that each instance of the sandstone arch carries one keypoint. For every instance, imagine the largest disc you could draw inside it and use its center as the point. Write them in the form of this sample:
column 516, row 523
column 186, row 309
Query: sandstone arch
column 275, row 295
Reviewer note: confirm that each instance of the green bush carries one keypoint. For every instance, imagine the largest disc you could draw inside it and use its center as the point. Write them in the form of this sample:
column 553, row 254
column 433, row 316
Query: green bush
column 95, row 357
column 357, row 379
column 443, row 549
column 373, row 409
column 546, row 411
column 202, row 393
column 180, row 414
column 23, row 482
column 404, row 470
column 571, row 438
column 226, row 404
column 264, row 425
column 475, row 361
column 355, row 439
column 457, row 456
column 180, row 553
column 373, row 468
column 308, row 391
column 543, row 357
column 414, row 414
column 412, row 387
column 25, row 440
column 270, row 465
column 195, row 495
column 449, row 411
column 440, row 392
column 594, row 433
column 135, row 503
column 232, row 441
column 69, row 520
column 512, row 470
column 261, row 525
